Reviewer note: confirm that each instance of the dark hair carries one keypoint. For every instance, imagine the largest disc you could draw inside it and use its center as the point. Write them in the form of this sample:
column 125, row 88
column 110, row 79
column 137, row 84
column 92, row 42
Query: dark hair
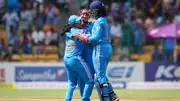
column 66, row 28
column 2, row 41
column 102, row 12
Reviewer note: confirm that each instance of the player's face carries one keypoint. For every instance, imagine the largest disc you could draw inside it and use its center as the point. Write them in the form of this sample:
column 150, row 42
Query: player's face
column 84, row 14
column 85, row 17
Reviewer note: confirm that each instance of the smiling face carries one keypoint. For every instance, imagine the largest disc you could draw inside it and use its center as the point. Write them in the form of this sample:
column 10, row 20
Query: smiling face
column 85, row 15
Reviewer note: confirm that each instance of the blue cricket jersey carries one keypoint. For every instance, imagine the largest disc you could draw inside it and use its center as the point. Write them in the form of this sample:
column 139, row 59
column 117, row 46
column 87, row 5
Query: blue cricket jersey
column 73, row 46
column 99, row 35
column 87, row 54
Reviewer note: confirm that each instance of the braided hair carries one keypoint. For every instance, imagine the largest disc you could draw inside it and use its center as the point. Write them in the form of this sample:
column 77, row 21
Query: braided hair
column 66, row 28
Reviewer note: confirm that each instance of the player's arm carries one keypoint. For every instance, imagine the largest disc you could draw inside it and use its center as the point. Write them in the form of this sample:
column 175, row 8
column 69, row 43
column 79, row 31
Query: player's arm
column 96, row 35
column 68, row 34
column 88, row 38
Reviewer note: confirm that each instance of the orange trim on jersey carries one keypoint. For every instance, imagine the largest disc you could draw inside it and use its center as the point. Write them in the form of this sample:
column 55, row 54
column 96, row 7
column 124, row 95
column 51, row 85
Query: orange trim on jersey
column 107, row 32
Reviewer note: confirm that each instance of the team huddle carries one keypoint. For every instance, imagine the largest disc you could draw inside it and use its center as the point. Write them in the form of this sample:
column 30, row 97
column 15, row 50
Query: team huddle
column 87, row 53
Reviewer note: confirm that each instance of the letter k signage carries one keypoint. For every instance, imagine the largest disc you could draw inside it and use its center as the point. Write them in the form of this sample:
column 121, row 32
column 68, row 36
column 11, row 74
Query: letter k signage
column 168, row 73
column 164, row 71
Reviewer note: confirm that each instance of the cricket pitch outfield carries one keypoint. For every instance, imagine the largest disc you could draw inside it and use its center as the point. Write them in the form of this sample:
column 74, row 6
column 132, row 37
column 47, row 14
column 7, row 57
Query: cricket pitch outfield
column 59, row 95
column 77, row 99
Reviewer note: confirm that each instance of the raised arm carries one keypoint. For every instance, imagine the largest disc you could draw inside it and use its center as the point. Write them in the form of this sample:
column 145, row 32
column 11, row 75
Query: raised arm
column 91, row 38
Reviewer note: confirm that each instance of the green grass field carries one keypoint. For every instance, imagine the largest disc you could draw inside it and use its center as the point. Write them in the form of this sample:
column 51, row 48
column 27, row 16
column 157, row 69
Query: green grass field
column 8, row 94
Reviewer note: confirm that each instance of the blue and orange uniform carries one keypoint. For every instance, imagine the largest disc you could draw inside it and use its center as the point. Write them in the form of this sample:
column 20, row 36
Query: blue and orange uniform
column 87, row 55
column 102, row 49
column 76, row 67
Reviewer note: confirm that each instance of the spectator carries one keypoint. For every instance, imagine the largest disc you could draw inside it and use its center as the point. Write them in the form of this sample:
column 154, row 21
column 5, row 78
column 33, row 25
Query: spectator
column 2, row 9
column 156, row 53
column 51, row 13
column 159, row 21
column 113, row 9
column 34, row 35
column 27, row 3
column 127, row 34
column 11, row 19
column 39, row 20
column 116, row 33
column 3, row 46
column 143, row 4
column 25, row 37
column 11, row 32
column 3, row 50
column 26, row 19
column 178, row 55
column 14, row 38
column 14, row 4
column 54, row 37
column 40, row 1
column 37, row 8
column 26, row 44
column 177, row 17
column 14, row 41
column 39, row 49
column 150, row 23
column 51, row 37
column 138, row 37
column 168, row 49
column 2, row 3
column 38, row 35
column 15, row 48
column 124, row 7
column 48, row 37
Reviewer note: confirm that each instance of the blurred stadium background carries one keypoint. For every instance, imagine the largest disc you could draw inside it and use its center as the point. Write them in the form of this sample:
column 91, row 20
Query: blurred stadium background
column 31, row 50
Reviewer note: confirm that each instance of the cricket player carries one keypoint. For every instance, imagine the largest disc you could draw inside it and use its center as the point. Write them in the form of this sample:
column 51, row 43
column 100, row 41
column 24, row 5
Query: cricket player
column 76, row 67
column 87, row 53
column 102, row 49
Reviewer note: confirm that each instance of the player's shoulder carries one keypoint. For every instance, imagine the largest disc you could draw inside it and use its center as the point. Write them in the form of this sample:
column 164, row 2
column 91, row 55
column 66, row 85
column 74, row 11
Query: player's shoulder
column 74, row 30
column 101, row 20
column 68, row 34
